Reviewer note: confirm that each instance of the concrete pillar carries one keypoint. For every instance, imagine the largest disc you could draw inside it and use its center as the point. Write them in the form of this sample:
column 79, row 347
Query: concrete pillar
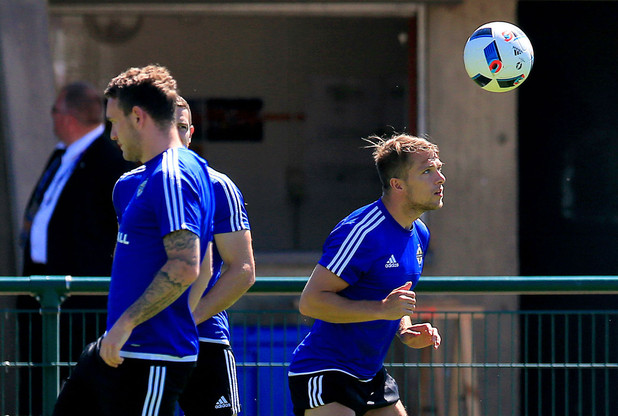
column 26, row 96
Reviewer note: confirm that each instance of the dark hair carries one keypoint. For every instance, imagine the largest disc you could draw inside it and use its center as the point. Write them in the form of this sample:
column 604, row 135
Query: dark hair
column 391, row 155
column 151, row 88
column 83, row 102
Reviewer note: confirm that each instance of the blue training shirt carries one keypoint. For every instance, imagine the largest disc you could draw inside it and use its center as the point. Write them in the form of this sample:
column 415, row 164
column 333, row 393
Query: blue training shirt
column 124, row 190
column 230, row 216
column 374, row 255
column 171, row 192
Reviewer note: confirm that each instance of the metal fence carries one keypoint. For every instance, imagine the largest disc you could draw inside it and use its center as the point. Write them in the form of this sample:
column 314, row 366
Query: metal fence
column 491, row 362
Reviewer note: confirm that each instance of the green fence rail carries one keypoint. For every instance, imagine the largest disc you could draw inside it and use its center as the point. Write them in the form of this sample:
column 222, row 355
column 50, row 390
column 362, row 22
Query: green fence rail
column 61, row 286
column 51, row 291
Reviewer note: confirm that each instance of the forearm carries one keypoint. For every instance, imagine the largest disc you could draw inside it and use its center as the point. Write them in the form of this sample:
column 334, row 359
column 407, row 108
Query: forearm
column 232, row 284
column 201, row 283
column 167, row 286
column 321, row 300
column 332, row 307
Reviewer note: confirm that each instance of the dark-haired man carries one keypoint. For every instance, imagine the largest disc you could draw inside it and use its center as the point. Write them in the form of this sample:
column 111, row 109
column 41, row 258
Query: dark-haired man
column 143, row 361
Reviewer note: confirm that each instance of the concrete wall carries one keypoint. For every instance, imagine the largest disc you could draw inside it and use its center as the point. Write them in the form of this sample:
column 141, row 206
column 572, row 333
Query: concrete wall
column 476, row 231
column 339, row 79
column 292, row 63
column 26, row 95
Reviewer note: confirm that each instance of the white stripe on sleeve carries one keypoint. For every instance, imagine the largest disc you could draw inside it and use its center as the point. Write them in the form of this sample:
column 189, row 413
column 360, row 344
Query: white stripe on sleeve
column 353, row 241
column 172, row 189
column 232, row 197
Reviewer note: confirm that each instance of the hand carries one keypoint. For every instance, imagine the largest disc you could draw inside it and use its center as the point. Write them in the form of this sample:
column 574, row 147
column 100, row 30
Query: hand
column 398, row 303
column 111, row 344
column 420, row 336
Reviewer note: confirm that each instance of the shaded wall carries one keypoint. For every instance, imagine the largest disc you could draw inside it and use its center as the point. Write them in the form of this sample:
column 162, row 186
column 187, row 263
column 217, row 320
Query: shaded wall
column 324, row 83
column 285, row 61
column 26, row 97
column 476, row 231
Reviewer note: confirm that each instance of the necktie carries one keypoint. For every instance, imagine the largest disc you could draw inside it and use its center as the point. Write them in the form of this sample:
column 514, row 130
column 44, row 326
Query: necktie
column 37, row 196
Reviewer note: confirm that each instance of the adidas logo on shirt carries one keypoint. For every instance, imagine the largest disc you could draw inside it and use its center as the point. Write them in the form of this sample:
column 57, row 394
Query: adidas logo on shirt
column 221, row 403
column 391, row 262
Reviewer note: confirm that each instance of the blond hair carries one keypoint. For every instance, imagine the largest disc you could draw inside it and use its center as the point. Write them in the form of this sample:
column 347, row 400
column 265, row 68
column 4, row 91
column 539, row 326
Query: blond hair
column 391, row 155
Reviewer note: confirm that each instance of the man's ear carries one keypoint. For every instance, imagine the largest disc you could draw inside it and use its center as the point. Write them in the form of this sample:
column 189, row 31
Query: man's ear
column 138, row 115
column 396, row 184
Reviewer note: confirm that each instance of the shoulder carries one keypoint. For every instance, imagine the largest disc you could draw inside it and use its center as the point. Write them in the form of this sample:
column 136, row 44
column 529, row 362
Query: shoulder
column 133, row 173
column 421, row 230
column 178, row 172
column 359, row 226
column 218, row 177
column 129, row 180
column 179, row 162
column 188, row 164
column 188, row 157
column 221, row 181
column 363, row 220
column 354, row 241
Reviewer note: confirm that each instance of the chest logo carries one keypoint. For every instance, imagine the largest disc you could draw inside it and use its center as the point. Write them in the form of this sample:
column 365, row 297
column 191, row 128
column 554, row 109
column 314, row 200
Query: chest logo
column 391, row 262
column 141, row 187
column 419, row 255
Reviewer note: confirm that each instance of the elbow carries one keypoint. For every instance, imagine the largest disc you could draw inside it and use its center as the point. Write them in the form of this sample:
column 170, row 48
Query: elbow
column 304, row 307
column 242, row 274
column 192, row 272
column 247, row 275
column 182, row 273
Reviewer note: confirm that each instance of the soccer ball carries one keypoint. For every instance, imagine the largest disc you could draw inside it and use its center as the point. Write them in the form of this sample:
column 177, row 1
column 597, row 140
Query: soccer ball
column 498, row 56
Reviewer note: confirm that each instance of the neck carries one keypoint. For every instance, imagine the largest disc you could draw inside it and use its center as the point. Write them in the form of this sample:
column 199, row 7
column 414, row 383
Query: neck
column 158, row 142
column 404, row 216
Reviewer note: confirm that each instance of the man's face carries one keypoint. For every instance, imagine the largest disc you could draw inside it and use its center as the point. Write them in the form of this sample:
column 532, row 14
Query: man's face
column 185, row 129
column 61, row 119
column 123, row 131
column 424, row 183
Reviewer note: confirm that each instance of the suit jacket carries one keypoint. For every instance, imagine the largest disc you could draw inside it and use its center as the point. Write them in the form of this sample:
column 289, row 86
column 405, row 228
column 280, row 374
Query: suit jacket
column 81, row 234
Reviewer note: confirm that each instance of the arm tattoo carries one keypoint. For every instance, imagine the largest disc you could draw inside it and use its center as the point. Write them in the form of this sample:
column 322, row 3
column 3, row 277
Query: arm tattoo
column 168, row 284
column 180, row 246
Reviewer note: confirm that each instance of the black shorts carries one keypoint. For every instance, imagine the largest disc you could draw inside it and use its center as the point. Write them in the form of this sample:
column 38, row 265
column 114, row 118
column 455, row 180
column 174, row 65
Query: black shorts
column 213, row 387
column 317, row 389
column 136, row 388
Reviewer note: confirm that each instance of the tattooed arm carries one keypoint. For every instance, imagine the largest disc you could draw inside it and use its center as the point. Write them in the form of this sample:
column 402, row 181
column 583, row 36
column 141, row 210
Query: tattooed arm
column 176, row 275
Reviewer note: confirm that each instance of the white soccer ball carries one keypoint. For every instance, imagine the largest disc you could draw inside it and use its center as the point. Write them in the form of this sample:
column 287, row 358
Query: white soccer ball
column 498, row 56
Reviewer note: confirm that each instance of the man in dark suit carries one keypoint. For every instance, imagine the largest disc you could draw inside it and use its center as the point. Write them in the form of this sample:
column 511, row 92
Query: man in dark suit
column 70, row 224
